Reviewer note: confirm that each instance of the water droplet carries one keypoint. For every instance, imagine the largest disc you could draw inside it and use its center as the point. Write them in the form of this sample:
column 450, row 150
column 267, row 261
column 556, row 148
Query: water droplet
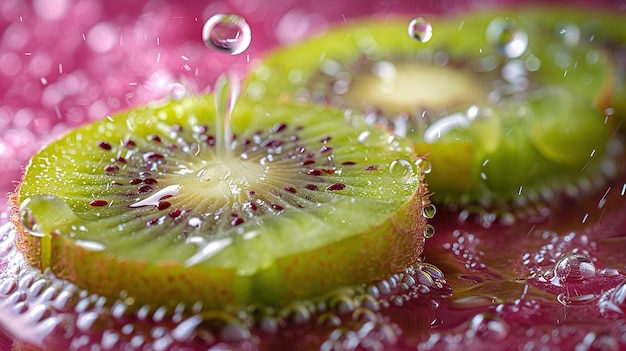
column 153, row 200
column 297, row 314
column 401, row 170
column 420, row 30
column 429, row 231
column 568, row 299
column 227, row 32
column 488, row 326
column 329, row 319
column 429, row 211
column 8, row 286
column 28, row 221
column 37, row 287
column 20, row 307
column 186, row 328
column 233, row 331
column 86, row 320
column 574, row 268
column 109, row 339
column 506, row 37
column 177, row 91
column 226, row 92
column 268, row 324
column 40, row 312
column 424, row 165
column 342, row 304
column 569, row 33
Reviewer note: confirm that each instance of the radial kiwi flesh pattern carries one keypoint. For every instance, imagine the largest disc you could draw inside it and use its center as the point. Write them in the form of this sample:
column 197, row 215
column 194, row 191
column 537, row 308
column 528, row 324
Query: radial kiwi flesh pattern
column 500, row 104
column 157, row 203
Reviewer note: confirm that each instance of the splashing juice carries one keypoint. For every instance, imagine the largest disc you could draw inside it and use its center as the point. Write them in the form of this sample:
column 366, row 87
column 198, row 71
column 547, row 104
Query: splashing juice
column 552, row 279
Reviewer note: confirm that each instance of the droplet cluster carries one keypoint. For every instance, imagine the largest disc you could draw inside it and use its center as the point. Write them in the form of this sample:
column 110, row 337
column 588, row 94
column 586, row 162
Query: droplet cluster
column 62, row 315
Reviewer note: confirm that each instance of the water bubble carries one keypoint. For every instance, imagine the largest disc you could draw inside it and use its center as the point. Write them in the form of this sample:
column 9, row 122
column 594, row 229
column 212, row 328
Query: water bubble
column 297, row 314
column 177, row 91
column 342, row 304
column 233, row 331
column 40, row 312
column 567, row 299
column 429, row 231
column 8, row 286
column 186, row 328
column 227, row 32
column 362, row 138
column 506, row 37
column 488, row 326
column 569, row 33
column 424, row 165
column 420, row 30
column 429, row 211
column 401, row 170
column 329, row 319
column 37, row 287
column 574, row 268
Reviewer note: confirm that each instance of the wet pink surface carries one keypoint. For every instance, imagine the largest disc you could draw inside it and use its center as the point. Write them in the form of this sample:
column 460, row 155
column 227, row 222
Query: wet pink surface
column 65, row 62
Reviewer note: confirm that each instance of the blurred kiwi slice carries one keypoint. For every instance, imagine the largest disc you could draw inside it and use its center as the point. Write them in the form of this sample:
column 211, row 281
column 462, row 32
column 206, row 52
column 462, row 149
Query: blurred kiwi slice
column 159, row 204
column 462, row 96
column 597, row 28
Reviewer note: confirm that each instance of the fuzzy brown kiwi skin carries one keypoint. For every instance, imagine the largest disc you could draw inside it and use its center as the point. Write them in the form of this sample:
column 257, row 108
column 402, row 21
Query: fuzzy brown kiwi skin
column 27, row 244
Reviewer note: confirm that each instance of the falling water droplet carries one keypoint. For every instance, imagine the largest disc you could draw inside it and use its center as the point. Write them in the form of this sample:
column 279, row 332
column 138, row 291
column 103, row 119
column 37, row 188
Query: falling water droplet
column 226, row 92
column 420, row 30
column 574, row 267
column 506, row 37
column 227, row 32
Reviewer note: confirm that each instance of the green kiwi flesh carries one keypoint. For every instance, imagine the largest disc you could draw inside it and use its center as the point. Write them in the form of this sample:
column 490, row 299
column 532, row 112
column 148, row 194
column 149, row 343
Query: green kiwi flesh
column 304, row 200
column 595, row 27
column 494, row 128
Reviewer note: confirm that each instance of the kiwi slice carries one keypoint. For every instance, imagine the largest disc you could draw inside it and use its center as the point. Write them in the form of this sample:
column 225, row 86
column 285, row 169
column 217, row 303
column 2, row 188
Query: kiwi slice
column 158, row 204
column 503, row 111
column 599, row 28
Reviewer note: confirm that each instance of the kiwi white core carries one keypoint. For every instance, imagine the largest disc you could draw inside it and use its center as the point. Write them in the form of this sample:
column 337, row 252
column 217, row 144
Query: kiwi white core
column 398, row 88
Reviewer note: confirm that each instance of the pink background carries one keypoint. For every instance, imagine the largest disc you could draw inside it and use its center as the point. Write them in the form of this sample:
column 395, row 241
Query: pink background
column 66, row 62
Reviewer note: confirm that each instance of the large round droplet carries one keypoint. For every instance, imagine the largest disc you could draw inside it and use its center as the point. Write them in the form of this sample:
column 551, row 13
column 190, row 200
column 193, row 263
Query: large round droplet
column 506, row 37
column 574, row 267
column 489, row 327
column 227, row 32
column 429, row 211
column 569, row 33
column 401, row 170
column 420, row 30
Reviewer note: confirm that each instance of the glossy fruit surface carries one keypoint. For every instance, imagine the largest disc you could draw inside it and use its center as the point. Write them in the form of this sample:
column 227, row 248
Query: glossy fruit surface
column 282, row 210
column 502, row 106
